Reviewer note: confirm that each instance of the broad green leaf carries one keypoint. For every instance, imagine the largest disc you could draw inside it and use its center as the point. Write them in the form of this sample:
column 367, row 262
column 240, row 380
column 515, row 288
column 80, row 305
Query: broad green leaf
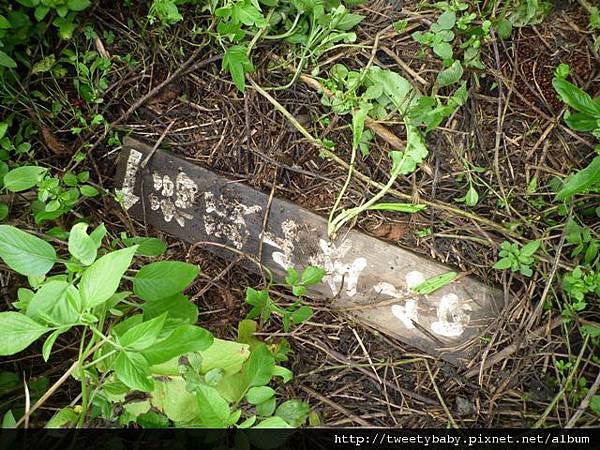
column 18, row 332
column 23, row 178
column 226, row 355
column 398, row 89
column 259, row 394
column 502, row 264
column 51, row 301
column 101, row 280
column 213, row 408
column 576, row 98
column 143, row 335
column 7, row 61
column 595, row 404
column 446, row 21
column 283, row 372
column 472, row 197
column 273, row 422
column 312, row 275
column 25, row 253
column 358, row 123
column 294, row 412
column 147, row 246
column 172, row 398
column 78, row 5
column 163, row 279
column 530, row 248
column 3, row 211
column 133, row 370
column 184, row 339
column 237, row 63
column 443, row 50
column 178, row 307
column 64, row 418
column 434, row 283
column 8, row 420
column 301, row 314
column 82, row 246
column 450, row 75
column 266, row 408
column 98, row 234
column 3, row 129
column 581, row 181
column 258, row 369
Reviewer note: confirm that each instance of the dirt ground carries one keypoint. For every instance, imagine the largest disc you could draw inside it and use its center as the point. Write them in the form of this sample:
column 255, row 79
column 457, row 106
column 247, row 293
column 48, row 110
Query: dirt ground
column 350, row 373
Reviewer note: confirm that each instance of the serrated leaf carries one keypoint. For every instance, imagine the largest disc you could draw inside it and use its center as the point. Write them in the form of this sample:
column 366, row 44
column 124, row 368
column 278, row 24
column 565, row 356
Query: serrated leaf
column 258, row 369
column 238, row 64
column 214, row 410
column 133, row 370
column 51, row 301
column 143, row 335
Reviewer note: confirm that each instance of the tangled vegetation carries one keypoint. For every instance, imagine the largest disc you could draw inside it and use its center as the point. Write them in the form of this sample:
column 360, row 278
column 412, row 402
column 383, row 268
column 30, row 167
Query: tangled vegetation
column 124, row 303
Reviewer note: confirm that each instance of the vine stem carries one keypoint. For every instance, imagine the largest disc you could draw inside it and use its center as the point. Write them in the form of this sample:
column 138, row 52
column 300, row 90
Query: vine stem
column 396, row 193
column 65, row 376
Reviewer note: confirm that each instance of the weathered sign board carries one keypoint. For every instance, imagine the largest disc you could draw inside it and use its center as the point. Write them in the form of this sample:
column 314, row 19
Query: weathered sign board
column 366, row 277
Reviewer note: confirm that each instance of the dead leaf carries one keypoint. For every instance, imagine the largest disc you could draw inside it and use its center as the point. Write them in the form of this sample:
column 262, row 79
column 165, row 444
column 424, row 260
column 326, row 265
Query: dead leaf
column 53, row 143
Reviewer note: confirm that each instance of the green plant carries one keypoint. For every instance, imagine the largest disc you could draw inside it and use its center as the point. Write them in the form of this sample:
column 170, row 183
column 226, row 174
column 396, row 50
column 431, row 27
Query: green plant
column 263, row 306
column 55, row 196
column 516, row 258
column 134, row 341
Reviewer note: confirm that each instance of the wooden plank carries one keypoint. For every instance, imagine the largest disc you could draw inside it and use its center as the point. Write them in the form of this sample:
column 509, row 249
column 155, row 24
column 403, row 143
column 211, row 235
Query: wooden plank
column 366, row 277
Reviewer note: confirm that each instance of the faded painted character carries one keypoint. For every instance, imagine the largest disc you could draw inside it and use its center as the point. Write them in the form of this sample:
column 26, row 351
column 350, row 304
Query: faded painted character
column 339, row 272
column 284, row 257
column 406, row 313
column 224, row 218
column 184, row 189
column 453, row 316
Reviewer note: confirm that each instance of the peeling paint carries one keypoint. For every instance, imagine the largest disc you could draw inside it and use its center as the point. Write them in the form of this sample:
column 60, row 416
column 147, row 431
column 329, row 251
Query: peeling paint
column 339, row 272
column 133, row 162
column 225, row 219
column 406, row 313
column 184, row 189
column 451, row 308
column 413, row 279
column 283, row 258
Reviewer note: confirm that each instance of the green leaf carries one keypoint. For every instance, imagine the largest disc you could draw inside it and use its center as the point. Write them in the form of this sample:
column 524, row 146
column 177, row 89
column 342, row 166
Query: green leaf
column 163, row 279
column 259, row 394
column 143, row 335
column 576, row 98
column 78, row 5
column 184, row 339
column 267, row 407
column 312, row 275
column 294, row 412
column 133, row 370
column 443, row 50
column 530, row 248
column 398, row 207
column 82, row 246
column 259, row 367
column 434, row 283
column 7, row 61
column 3, row 129
column 283, row 372
column 44, row 65
column 8, row 420
column 472, row 197
column 446, row 21
column 64, row 418
column 88, row 191
column 581, row 181
column 504, row 28
column 237, row 63
column 25, row 253
column 23, row 178
column 52, row 301
column 18, row 332
column 397, row 88
column 47, row 347
column 450, row 75
column 3, row 211
column 101, row 280
column 214, row 409
column 226, row 355
column 595, row 404
column 502, row 264
column 147, row 246
column 171, row 397
column 273, row 422
column 178, row 307
column 301, row 314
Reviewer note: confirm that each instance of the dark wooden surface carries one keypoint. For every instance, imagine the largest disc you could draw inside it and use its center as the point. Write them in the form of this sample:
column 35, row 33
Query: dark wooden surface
column 367, row 278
